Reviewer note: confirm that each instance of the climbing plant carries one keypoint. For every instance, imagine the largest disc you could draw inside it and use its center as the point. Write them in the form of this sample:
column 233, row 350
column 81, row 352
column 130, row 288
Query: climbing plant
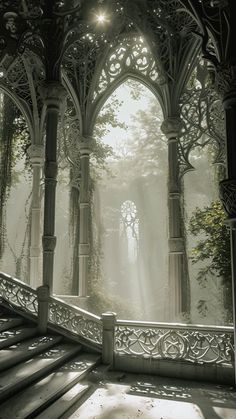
column 7, row 116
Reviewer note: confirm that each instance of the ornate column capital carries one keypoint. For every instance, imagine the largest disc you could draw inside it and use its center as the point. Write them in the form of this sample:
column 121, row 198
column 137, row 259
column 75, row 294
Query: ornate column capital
column 225, row 82
column 53, row 94
column 85, row 145
column 171, row 127
column 228, row 199
column 36, row 154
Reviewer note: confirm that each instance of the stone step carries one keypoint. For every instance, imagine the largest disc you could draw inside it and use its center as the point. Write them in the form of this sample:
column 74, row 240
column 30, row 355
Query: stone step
column 16, row 378
column 32, row 400
column 9, row 322
column 26, row 350
column 65, row 402
column 17, row 334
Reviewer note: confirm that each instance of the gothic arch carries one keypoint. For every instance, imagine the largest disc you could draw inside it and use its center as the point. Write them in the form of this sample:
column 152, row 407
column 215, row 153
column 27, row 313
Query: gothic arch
column 116, row 84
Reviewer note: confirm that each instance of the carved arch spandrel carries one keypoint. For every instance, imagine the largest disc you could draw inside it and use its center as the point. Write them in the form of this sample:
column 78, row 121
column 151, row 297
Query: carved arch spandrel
column 21, row 81
column 130, row 58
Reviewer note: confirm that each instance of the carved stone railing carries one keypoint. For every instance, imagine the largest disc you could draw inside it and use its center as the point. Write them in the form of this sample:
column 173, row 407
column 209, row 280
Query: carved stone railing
column 72, row 319
column 75, row 320
column 195, row 345
column 18, row 294
column 184, row 342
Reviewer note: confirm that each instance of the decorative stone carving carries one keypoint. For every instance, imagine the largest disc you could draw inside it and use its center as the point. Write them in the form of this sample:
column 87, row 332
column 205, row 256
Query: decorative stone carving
column 18, row 294
column 201, row 111
column 130, row 55
column 36, row 154
column 225, row 79
column 75, row 320
column 85, row 145
column 228, row 196
column 171, row 127
column 53, row 94
column 11, row 23
column 186, row 344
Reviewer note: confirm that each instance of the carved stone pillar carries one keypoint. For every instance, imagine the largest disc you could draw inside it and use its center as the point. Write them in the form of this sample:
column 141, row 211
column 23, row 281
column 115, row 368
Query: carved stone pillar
column 178, row 284
column 84, row 247
column 53, row 95
column 36, row 153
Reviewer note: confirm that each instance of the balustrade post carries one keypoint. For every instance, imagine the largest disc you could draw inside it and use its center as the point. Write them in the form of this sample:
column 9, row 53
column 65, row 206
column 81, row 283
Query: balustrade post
column 53, row 94
column 35, row 152
column 108, row 338
column 178, row 283
column 43, row 301
column 84, row 247
column 228, row 189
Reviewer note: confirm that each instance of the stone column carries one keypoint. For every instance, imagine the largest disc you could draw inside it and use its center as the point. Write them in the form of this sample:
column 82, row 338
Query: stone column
column 84, row 247
column 108, row 338
column 53, row 95
column 228, row 186
column 36, row 153
column 178, row 292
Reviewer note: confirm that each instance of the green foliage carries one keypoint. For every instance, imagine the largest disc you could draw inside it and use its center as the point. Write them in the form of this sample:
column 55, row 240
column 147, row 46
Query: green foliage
column 213, row 247
column 148, row 146
column 106, row 120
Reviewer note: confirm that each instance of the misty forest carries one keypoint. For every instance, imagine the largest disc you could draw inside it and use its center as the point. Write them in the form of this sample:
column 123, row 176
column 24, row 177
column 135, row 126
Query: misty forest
column 128, row 265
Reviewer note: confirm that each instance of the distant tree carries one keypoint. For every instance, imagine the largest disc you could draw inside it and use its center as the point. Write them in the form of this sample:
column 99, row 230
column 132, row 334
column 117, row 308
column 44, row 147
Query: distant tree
column 213, row 247
column 148, row 145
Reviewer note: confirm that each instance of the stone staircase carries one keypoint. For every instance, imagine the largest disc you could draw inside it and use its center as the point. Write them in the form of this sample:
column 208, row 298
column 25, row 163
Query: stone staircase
column 40, row 376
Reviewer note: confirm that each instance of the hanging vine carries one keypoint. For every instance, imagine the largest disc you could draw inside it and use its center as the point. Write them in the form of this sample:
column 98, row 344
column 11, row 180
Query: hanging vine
column 8, row 114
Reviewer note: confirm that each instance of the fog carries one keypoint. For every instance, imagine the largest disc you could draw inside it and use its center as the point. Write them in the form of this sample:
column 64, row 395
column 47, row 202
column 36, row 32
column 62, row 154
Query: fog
column 129, row 219
column 130, row 210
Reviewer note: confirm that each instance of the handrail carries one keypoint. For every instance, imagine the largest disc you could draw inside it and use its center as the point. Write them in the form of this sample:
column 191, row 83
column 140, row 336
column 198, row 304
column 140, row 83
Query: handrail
column 76, row 320
column 92, row 316
column 71, row 318
column 198, row 344
column 164, row 325
column 18, row 294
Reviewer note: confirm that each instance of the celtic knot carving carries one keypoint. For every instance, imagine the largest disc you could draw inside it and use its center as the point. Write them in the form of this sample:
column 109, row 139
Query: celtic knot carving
column 76, row 321
column 193, row 345
column 228, row 196
column 18, row 294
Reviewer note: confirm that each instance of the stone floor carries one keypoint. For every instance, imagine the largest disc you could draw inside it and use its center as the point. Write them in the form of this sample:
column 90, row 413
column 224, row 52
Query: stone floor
column 117, row 395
